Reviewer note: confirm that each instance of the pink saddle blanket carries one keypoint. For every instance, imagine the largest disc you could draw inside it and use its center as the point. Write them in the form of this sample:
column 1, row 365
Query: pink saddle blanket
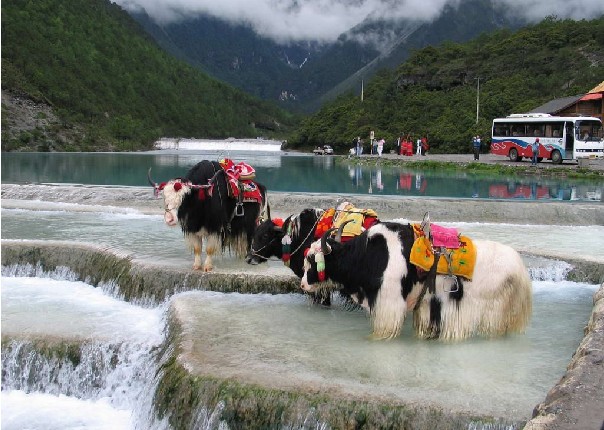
column 445, row 237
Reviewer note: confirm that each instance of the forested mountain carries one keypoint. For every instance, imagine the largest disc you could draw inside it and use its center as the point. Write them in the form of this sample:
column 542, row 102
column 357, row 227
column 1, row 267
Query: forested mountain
column 301, row 76
column 434, row 92
column 93, row 79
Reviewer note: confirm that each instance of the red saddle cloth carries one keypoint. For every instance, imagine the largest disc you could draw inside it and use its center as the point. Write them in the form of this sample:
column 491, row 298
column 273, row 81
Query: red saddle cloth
column 239, row 179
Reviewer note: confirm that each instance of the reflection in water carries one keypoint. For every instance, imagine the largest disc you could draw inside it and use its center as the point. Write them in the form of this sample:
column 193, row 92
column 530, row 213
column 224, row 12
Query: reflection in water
column 533, row 190
column 406, row 181
column 292, row 173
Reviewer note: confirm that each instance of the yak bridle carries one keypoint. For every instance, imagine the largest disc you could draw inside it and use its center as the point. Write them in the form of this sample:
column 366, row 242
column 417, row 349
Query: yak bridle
column 179, row 183
column 278, row 222
column 321, row 248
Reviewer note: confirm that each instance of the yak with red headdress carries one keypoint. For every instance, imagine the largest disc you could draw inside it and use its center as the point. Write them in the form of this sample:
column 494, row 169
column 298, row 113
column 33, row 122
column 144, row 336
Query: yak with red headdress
column 216, row 201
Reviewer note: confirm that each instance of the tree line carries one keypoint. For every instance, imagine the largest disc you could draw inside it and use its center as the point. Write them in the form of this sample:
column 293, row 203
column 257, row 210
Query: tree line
column 106, row 78
column 436, row 92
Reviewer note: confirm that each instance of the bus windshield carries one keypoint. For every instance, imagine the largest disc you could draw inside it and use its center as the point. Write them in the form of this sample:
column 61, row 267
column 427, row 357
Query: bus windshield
column 589, row 130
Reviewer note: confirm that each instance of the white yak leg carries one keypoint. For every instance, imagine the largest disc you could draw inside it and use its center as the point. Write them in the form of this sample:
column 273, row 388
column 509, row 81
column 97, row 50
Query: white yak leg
column 212, row 247
column 197, row 245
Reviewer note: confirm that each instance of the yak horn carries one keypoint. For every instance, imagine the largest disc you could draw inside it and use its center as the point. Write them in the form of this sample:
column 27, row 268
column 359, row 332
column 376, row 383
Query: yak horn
column 341, row 229
column 324, row 246
column 153, row 184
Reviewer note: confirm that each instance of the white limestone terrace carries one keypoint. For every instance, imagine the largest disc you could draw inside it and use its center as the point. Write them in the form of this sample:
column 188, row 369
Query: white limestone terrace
column 231, row 144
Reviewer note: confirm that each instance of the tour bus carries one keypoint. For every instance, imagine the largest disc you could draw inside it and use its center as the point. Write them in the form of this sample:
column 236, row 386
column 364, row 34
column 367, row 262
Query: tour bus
column 560, row 137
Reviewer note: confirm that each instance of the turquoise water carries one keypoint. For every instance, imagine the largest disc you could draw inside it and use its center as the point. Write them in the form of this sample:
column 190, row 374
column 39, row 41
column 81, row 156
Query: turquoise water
column 295, row 173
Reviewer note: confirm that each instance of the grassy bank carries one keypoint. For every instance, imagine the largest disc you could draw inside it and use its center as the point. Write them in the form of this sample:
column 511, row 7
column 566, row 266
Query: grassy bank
column 524, row 169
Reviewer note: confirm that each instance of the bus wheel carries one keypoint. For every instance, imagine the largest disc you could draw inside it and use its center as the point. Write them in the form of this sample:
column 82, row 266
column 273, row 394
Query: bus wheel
column 556, row 157
column 514, row 155
column 539, row 159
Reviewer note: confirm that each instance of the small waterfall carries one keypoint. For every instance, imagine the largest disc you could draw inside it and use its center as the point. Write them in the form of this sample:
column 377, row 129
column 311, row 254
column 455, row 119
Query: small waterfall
column 37, row 271
column 128, row 372
column 122, row 373
column 552, row 270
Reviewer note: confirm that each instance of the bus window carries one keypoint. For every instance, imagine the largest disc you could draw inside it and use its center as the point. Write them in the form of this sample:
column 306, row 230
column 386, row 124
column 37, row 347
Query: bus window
column 517, row 130
column 554, row 130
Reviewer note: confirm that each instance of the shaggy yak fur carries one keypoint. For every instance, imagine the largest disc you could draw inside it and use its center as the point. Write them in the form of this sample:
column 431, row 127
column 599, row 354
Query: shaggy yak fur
column 374, row 269
column 205, row 211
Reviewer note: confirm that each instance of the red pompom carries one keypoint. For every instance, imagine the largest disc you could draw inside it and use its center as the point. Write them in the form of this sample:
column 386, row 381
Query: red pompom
column 306, row 251
column 177, row 186
column 321, row 276
column 278, row 222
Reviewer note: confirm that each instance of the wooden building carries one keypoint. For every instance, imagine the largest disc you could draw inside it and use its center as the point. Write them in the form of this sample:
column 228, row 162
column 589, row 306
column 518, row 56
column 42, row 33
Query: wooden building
column 589, row 104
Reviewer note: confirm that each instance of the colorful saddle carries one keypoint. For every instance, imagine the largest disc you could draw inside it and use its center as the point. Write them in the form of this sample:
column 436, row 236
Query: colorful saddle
column 239, row 180
column 360, row 220
column 457, row 252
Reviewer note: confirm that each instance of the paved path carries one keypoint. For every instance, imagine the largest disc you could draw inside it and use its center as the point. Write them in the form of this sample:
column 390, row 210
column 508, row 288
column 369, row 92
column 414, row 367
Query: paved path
column 469, row 158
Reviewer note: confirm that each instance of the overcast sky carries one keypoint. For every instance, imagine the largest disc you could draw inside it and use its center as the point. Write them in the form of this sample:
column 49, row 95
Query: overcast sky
column 325, row 20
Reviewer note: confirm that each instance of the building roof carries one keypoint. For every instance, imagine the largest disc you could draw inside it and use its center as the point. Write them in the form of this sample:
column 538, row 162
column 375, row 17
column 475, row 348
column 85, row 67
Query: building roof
column 598, row 89
column 554, row 106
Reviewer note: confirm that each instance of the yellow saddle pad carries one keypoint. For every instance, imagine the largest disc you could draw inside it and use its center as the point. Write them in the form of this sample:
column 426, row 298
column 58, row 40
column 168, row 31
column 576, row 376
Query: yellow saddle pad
column 462, row 259
column 348, row 212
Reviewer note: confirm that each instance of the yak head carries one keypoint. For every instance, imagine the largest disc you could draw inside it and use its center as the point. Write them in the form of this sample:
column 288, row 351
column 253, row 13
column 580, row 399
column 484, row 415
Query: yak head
column 174, row 191
column 266, row 241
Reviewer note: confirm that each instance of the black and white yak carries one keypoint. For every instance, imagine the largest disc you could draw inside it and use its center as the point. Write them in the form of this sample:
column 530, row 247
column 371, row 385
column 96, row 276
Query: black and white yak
column 268, row 238
column 375, row 270
column 300, row 230
column 201, row 203
column 268, row 242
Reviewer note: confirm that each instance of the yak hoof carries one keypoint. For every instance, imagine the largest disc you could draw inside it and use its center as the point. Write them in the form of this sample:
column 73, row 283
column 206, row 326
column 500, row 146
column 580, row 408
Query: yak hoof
column 208, row 268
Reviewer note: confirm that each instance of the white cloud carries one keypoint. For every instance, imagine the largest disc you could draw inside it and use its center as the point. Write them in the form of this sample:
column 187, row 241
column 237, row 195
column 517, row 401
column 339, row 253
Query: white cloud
column 325, row 20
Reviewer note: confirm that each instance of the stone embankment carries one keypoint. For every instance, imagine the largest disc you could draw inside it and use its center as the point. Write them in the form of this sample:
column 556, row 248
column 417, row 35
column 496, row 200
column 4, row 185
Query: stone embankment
column 285, row 204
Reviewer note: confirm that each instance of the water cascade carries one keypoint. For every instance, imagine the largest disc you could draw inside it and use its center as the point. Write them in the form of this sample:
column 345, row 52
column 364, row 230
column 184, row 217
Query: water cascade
column 122, row 334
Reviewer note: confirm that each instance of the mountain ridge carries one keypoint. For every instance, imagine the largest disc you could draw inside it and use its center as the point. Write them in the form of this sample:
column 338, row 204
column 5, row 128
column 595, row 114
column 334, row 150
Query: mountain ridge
column 331, row 69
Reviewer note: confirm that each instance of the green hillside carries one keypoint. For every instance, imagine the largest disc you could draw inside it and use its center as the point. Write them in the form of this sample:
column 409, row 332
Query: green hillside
column 435, row 91
column 96, row 81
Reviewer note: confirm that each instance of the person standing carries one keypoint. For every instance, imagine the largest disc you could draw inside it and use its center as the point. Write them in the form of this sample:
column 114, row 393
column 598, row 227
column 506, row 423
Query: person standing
column 380, row 147
column 418, row 150
column 425, row 145
column 476, row 145
column 358, row 146
column 535, row 149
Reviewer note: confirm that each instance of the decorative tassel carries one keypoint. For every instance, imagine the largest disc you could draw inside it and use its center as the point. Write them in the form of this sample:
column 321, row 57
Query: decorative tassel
column 320, row 260
column 286, row 249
